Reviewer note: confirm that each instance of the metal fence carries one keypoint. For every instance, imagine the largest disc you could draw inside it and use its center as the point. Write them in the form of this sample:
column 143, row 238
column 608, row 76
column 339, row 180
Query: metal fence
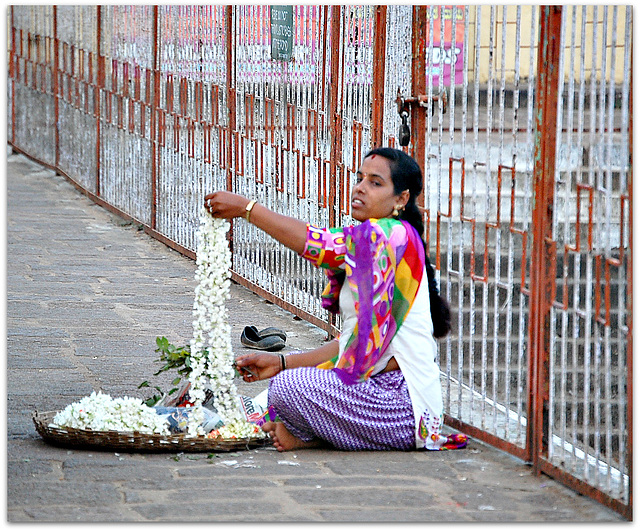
column 520, row 116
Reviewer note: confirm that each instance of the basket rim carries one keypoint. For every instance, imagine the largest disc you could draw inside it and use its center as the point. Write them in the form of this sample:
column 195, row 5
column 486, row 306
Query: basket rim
column 135, row 441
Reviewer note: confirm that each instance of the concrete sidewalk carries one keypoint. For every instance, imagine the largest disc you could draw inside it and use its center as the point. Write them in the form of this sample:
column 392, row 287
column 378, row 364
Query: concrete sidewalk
column 87, row 294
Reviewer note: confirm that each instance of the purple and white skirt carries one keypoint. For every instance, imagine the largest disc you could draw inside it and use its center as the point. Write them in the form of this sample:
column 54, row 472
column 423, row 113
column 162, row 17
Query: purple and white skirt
column 373, row 415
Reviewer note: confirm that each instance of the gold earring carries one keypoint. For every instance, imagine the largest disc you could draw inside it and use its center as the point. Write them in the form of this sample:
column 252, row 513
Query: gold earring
column 396, row 211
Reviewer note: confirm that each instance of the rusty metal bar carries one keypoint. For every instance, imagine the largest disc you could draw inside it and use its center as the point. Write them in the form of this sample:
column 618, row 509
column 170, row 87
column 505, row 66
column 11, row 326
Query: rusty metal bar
column 586, row 489
column 629, row 358
column 335, row 113
column 483, row 435
column 13, row 73
column 377, row 89
column 155, row 132
column 56, row 87
column 419, row 85
column 99, row 88
column 543, row 258
column 283, row 304
column 231, row 97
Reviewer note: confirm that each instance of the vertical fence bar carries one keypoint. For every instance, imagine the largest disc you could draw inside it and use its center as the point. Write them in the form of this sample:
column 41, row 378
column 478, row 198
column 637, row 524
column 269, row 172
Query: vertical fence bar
column 56, row 87
column 419, row 85
column 379, row 61
column 629, row 358
column 99, row 87
column 334, row 111
column 231, row 94
column 155, row 133
column 543, row 256
column 12, row 72
column 231, row 108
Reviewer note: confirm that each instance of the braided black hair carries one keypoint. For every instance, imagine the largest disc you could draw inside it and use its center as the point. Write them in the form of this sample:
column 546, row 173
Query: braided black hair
column 407, row 175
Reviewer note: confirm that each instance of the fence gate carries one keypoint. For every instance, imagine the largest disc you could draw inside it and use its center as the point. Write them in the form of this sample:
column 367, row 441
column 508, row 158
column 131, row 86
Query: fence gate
column 520, row 116
column 528, row 199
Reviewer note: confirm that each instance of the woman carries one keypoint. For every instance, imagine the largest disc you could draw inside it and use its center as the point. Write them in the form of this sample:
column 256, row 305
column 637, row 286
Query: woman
column 376, row 387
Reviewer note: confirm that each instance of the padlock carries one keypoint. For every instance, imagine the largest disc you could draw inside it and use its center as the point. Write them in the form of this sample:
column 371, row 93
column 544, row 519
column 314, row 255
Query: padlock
column 404, row 135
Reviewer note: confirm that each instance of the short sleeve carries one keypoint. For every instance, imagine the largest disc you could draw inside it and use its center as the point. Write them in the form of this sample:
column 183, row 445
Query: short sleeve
column 325, row 248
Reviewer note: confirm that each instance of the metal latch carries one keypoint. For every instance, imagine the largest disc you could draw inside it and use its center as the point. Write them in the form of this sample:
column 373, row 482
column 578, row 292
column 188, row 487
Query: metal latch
column 404, row 106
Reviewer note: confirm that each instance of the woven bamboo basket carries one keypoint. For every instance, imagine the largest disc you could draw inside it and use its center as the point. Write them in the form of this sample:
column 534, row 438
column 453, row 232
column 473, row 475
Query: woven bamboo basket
column 135, row 441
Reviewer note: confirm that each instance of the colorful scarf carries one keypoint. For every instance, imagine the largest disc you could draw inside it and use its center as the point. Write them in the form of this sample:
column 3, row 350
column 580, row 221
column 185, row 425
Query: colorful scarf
column 383, row 261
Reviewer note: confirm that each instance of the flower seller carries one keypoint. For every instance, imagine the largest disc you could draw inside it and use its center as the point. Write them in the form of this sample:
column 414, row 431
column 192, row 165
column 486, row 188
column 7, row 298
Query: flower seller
column 377, row 386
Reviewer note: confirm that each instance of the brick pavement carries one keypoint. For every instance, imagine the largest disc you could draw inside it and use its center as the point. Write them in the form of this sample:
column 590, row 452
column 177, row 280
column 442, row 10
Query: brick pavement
column 87, row 294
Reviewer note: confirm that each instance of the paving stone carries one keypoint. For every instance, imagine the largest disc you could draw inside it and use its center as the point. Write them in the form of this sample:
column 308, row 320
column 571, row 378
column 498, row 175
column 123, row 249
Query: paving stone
column 34, row 492
column 29, row 468
column 127, row 471
column 93, row 515
column 379, row 516
column 384, row 496
column 189, row 510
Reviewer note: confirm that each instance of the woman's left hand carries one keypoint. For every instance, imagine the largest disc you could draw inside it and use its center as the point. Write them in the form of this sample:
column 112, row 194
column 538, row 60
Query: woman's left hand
column 259, row 366
column 226, row 205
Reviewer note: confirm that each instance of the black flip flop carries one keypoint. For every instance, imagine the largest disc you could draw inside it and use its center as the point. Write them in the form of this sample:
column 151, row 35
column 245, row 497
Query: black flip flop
column 270, row 331
column 251, row 339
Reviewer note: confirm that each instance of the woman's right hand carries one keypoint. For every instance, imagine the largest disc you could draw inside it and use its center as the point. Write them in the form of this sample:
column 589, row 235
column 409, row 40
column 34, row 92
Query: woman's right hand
column 226, row 205
column 287, row 230
column 261, row 365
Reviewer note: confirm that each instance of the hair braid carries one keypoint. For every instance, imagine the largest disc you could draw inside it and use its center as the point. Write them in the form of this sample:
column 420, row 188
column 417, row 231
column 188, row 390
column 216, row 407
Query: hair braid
column 407, row 175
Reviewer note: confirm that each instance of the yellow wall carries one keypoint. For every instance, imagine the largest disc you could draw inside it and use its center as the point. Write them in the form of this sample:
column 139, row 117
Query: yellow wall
column 491, row 19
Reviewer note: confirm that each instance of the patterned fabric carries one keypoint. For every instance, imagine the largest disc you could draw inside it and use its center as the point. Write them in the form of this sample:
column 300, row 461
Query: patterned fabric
column 373, row 415
column 455, row 441
column 383, row 263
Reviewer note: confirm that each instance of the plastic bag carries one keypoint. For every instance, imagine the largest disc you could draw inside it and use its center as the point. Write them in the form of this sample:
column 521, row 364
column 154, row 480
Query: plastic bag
column 177, row 410
column 178, row 418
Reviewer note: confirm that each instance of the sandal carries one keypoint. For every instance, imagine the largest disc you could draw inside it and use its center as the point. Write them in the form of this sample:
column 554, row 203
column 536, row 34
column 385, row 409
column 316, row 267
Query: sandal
column 270, row 331
column 251, row 339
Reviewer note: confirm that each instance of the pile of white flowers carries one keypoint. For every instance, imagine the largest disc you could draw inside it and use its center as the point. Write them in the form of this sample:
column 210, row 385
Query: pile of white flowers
column 100, row 412
column 211, row 352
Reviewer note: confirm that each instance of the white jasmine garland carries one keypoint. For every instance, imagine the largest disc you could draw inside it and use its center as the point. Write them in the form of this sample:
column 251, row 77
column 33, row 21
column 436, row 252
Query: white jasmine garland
column 100, row 412
column 211, row 358
column 211, row 352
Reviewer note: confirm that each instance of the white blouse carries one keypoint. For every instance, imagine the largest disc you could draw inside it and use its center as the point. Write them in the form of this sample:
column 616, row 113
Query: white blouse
column 415, row 350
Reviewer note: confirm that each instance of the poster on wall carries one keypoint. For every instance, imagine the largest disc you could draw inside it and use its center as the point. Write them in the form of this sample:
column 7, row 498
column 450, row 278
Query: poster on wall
column 446, row 59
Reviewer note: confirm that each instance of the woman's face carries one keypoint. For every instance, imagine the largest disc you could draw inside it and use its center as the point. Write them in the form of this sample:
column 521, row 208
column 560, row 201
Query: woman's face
column 373, row 195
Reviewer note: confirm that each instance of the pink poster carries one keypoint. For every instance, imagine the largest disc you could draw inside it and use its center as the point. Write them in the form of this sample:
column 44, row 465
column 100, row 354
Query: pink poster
column 447, row 60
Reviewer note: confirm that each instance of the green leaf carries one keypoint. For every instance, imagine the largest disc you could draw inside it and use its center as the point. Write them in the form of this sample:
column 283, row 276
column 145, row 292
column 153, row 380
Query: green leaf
column 163, row 343
column 152, row 401
column 171, row 358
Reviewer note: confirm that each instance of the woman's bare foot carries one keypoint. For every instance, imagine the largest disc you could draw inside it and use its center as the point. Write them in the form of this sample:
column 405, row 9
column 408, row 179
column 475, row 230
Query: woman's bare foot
column 283, row 440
